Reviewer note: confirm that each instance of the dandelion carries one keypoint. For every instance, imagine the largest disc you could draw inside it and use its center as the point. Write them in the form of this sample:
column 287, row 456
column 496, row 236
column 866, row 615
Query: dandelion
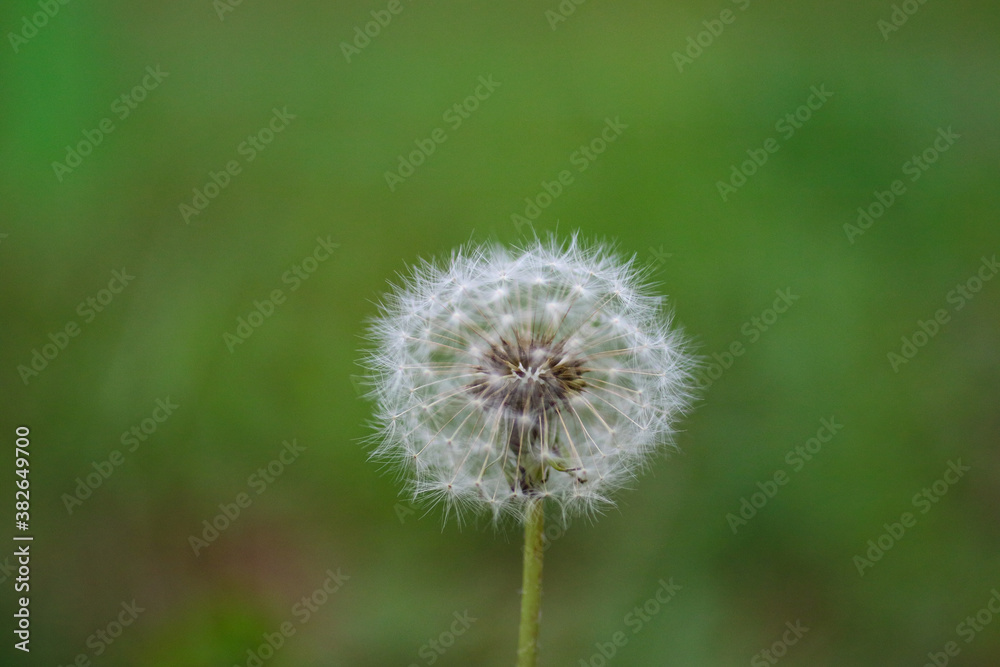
column 505, row 379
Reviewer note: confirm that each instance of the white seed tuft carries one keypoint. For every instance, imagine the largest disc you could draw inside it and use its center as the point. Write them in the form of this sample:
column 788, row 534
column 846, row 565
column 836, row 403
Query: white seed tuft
column 548, row 371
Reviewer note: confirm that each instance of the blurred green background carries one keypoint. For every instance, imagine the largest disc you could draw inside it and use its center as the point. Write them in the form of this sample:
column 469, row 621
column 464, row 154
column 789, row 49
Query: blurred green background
column 654, row 190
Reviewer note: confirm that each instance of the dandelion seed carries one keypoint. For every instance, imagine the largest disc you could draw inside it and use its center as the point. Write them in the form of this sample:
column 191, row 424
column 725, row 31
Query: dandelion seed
column 505, row 376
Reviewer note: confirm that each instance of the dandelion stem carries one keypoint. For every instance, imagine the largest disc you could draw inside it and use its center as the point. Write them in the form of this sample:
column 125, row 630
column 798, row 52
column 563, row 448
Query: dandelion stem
column 531, row 586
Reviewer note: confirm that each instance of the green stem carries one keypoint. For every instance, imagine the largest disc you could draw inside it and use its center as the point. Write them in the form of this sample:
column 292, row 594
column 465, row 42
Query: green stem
column 531, row 586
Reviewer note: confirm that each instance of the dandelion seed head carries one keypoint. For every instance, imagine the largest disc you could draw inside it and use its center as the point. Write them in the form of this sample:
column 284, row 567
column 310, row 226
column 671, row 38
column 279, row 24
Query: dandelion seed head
column 505, row 375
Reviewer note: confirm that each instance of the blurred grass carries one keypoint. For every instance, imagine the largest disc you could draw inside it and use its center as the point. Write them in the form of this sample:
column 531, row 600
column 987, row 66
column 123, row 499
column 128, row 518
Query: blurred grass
column 654, row 187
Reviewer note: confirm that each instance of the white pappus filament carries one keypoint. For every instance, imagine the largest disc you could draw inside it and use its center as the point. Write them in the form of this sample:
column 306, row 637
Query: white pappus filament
column 547, row 371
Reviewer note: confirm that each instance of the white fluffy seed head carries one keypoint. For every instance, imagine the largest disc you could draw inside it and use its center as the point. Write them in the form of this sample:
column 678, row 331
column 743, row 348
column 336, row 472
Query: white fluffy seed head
column 502, row 375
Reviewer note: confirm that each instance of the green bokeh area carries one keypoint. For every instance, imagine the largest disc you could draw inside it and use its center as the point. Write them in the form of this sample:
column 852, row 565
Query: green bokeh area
column 327, row 513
